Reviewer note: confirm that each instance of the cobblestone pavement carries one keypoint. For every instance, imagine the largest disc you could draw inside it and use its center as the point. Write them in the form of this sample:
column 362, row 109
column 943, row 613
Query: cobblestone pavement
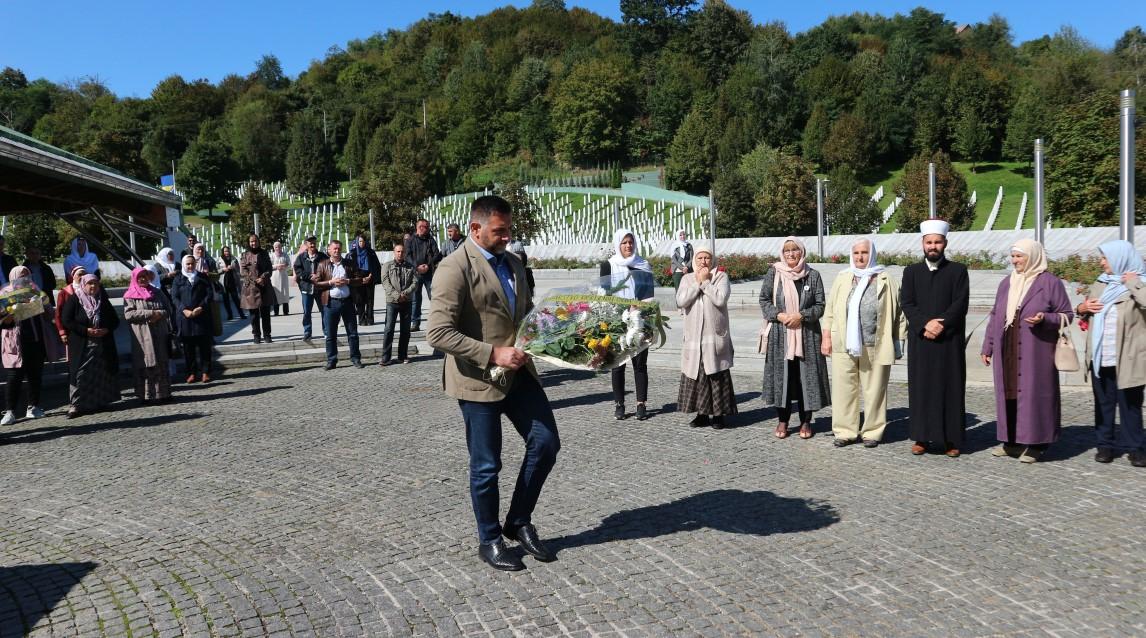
column 296, row 502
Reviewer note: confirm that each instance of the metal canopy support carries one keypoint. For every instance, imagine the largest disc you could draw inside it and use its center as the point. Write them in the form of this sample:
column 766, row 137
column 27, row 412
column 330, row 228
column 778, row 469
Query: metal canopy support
column 712, row 225
column 92, row 241
column 111, row 229
column 820, row 217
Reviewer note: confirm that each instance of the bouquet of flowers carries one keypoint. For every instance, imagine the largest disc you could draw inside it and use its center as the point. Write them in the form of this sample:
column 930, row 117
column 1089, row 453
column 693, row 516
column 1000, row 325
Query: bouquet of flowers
column 589, row 329
column 22, row 302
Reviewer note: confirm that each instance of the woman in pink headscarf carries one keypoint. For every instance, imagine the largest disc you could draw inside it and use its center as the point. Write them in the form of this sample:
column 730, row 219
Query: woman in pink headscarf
column 24, row 347
column 148, row 314
column 792, row 300
column 93, row 362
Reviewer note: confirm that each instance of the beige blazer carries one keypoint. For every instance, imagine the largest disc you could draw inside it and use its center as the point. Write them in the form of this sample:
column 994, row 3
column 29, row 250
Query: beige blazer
column 1130, row 337
column 705, row 335
column 892, row 322
column 470, row 315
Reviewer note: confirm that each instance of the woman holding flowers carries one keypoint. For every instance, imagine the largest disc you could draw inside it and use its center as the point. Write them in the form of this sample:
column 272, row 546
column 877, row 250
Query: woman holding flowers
column 148, row 313
column 629, row 276
column 706, row 351
column 792, row 301
column 93, row 363
column 26, row 344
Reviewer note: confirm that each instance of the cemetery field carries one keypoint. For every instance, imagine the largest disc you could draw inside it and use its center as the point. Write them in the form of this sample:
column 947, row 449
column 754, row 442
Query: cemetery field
column 1013, row 177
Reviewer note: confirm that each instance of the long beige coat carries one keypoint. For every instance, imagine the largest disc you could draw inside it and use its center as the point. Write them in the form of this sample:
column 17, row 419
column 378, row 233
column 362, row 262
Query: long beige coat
column 148, row 340
column 892, row 322
column 469, row 316
column 705, row 337
column 1130, row 338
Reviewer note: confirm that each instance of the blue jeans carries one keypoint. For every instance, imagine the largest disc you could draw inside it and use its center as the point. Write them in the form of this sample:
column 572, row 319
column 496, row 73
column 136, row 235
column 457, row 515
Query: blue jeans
column 399, row 312
column 1128, row 401
column 528, row 410
column 340, row 309
column 309, row 299
column 416, row 313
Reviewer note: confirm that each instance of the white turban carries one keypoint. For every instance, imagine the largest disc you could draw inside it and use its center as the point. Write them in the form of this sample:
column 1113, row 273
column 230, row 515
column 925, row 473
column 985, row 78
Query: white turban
column 934, row 227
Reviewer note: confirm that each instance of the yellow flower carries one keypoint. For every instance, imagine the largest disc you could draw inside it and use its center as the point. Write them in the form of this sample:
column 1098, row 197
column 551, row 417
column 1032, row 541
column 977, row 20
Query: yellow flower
column 604, row 326
column 592, row 343
column 561, row 314
column 607, row 341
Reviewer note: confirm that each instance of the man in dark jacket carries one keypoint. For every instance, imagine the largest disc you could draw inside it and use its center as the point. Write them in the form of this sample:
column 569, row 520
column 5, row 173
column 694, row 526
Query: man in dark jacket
column 422, row 253
column 334, row 280
column 305, row 268
column 42, row 274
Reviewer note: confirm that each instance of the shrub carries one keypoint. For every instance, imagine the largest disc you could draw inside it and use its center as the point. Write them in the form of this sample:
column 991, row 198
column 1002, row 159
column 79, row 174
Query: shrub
column 1076, row 269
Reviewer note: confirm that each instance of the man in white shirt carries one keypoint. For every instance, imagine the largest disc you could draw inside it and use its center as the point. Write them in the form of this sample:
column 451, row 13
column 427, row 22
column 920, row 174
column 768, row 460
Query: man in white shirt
column 334, row 278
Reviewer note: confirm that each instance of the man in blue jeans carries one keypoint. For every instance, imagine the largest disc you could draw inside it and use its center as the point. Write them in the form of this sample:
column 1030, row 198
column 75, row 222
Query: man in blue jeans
column 480, row 296
column 305, row 269
column 334, row 279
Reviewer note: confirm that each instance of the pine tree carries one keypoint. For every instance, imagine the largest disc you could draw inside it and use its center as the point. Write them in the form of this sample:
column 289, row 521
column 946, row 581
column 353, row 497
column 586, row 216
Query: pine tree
column 310, row 166
column 274, row 224
column 206, row 173
column 952, row 202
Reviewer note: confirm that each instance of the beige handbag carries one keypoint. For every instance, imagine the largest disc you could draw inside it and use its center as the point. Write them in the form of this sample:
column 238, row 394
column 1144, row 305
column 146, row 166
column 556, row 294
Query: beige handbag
column 1065, row 356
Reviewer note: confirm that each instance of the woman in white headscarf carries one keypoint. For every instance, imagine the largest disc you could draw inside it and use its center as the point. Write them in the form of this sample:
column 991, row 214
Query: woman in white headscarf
column 166, row 260
column 280, row 277
column 681, row 252
column 628, row 275
column 864, row 328
column 81, row 256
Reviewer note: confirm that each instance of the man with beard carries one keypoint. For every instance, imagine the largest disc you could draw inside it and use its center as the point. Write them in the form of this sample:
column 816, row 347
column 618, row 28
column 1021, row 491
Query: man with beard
column 934, row 297
column 482, row 295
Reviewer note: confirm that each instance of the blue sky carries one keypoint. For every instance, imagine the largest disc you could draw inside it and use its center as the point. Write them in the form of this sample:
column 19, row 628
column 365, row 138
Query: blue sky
column 131, row 45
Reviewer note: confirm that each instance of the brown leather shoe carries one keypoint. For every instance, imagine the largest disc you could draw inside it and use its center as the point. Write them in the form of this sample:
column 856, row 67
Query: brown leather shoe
column 205, row 379
column 190, row 378
column 918, row 448
column 952, row 452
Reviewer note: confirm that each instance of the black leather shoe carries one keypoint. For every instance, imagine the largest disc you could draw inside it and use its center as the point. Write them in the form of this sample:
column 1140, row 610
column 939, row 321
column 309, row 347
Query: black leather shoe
column 498, row 556
column 843, row 442
column 358, row 364
column 526, row 536
column 619, row 413
column 267, row 339
column 330, row 366
column 871, row 443
column 1104, row 455
column 717, row 423
column 641, row 414
column 701, row 421
column 1138, row 459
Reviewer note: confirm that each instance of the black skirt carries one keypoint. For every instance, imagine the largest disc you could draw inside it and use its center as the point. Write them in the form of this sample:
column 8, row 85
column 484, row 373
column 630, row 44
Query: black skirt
column 707, row 394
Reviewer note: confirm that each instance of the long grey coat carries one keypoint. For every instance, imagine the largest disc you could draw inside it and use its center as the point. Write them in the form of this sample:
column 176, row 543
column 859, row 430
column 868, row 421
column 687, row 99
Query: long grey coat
column 813, row 366
column 148, row 340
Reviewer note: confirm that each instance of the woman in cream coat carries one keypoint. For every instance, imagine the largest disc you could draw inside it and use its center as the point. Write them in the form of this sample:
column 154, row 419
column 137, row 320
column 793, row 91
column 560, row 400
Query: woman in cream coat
column 864, row 336
column 706, row 353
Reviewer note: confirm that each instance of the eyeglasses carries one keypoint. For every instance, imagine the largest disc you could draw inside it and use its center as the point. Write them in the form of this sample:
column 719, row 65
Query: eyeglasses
column 792, row 251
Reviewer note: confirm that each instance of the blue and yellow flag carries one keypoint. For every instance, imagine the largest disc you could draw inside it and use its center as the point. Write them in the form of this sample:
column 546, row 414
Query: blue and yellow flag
column 167, row 182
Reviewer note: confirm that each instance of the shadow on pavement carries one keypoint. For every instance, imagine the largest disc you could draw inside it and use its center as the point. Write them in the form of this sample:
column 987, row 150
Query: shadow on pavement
column 37, row 435
column 758, row 513
column 583, row 399
column 250, row 392
column 559, row 376
column 33, row 591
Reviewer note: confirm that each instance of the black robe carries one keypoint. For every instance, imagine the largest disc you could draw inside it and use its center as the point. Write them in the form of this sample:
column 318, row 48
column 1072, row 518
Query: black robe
column 936, row 369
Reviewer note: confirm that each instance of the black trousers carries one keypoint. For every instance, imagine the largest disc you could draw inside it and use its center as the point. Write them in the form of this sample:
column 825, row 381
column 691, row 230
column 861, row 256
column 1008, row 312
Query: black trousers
column 261, row 322
column 197, row 354
column 795, row 393
column 397, row 313
column 364, row 304
column 229, row 295
column 1128, row 402
column 640, row 376
column 32, row 353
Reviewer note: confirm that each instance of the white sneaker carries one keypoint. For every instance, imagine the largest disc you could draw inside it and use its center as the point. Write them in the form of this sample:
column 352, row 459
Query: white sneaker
column 9, row 418
column 35, row 412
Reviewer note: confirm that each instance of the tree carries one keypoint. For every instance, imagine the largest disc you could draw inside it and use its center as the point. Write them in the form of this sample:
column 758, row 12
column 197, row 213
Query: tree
column 253, row 129
column 37, row 230
column 816, row 133
column 274, row 224
column 952, row 202
column 735, row 205
column 649, row 24
column 269, row 73
column 590, row 112
column 848, row 209
column 1130, row 50
column 206, row 172
column 688, row 166
column 528, row 224
column 1029, row 121
column 1082, row 167
column 310, row 170
column 972, row 139
column 395, row 193
column 754, row 165
column 719, row 36
column 787, row 203
column 848, row 143
column 358, row 141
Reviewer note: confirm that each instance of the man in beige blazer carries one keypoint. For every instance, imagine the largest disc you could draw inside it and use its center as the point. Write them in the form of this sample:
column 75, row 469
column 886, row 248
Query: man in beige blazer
column 480, row 296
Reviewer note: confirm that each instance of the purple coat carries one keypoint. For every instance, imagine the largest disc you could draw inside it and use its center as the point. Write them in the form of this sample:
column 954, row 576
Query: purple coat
column 1039, row 414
